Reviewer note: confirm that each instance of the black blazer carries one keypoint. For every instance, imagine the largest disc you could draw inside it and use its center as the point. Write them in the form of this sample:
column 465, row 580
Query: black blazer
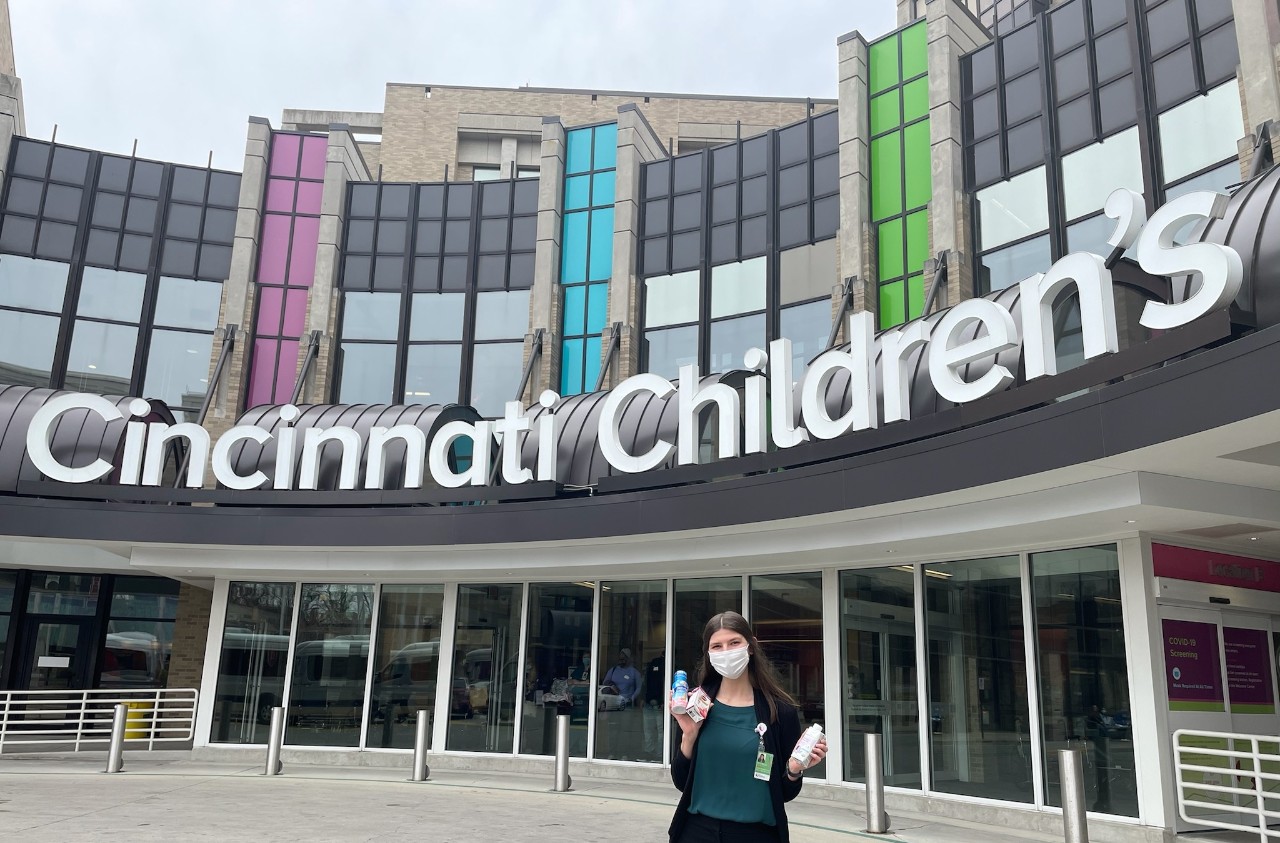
column 780, row 739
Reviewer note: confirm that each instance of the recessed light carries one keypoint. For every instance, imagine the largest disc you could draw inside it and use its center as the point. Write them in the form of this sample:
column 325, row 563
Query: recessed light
column 1253, row 538
column 92, row 366
column 1131, row 521
column 891, row 551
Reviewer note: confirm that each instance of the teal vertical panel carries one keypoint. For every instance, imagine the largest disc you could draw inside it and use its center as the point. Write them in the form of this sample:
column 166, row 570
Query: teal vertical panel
column 575, row 310
column 573, row 253
column 571, row 367
column 597, row 308
column 591, row 364
column 577, row 192
column 602, row 187
column 601, row 245
column 578, row 151
column 606, row 147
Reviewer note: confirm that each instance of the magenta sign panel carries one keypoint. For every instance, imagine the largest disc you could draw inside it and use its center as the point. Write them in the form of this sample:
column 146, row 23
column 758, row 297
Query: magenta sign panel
column 1193, row 674
column 1248, row 656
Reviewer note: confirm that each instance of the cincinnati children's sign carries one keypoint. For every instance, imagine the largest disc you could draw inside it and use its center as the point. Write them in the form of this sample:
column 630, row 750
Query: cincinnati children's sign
column 765, row 410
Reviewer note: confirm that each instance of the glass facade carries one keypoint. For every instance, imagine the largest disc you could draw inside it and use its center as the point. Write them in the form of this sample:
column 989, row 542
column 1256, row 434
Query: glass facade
column 557, row 661
column 252, row 660
column 633, row 617
column 406, row 661
column 486, row 656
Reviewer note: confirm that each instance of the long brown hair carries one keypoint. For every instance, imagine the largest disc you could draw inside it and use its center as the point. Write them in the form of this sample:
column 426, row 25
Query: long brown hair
column 759, row 669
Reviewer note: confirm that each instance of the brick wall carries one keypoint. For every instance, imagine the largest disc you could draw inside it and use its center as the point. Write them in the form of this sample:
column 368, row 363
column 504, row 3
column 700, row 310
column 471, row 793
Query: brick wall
column 190, row 633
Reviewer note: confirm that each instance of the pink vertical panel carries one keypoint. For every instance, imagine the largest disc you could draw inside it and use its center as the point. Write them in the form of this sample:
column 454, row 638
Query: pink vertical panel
column 275, row 249
column 284, row 155
column 302, row 262
column 309, row 196
column 269, row 308
column 262, row 372
column 313, row 153
column 280, row 195
column 295, row 313
column 287, row 370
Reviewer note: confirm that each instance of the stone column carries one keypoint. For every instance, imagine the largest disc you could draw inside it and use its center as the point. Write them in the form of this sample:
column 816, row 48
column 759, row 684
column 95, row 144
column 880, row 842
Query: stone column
column 544, row 301
column 190, row 635
column 343, row 164
column 856, row 252
column 952, row 32
column 12, row 120
column 637, row 143
column 507, row 157
column 1257, row 25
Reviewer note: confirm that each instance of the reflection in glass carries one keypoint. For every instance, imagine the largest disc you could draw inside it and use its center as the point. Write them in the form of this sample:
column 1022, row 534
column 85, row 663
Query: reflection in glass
column 1013, row 209
column 326, row 695
column 502, row 315
column 101, row 358
column 807, row 326
column 786, row 614
column 669, row 349
column 8, row 584
column 486, row 657
column 63, row 594
column 1084, row 689
column 255, row 651
column 1090, row 174
column 143, row 597
column 557, row 669
column 27, row 344
column 405, row 660
column 977, row 679
column 671, row 299
column 1201, row 132
column 178, row 368
column 1015, row 263
column 370, row 316
column 368, row 370
column 495, row 375
column 431, row 374
column 111, row 294
column 731, row 338
column 136, row 654
column 738, row 287
column 633, row 624
column 32, row 284
column 808, row 272
column 183, row 303
column 878, row 652
column 436, row 316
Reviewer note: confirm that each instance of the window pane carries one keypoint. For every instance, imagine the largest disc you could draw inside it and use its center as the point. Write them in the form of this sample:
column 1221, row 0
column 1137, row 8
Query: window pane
column 633, row 617
column 786, row 615
column 1089, row 236
column 1011, row 265
column 63, row 594
column 1218, row 179
column 669, row 349
column 405, row 660
column 878, row 655
column 738, row 287
column 27, row 343
column 731, row 338
column 251, row 666
column 108, row 294
column 807, row 326
column 495, row 376
column 557, row 669
column 8, row 583
column 178, row 368
column 1083, row 673
column 486, row 657
column 431, row 374
column 1091, row 174
column 1201, row 132
column 502, row 315
column 671, row 299
column 370, row 316
column 34, row 284
column 368, row 372
column 101, row 358
column 181, row 303
column 1014, row 209
column 326, row 696
column 436, row 316
column 978, row 679
column 136, row 654
column 808, row 272
column 144, row 597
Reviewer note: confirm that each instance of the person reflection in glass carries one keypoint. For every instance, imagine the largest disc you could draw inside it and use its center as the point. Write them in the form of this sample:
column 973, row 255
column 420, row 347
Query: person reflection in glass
column 619, row 689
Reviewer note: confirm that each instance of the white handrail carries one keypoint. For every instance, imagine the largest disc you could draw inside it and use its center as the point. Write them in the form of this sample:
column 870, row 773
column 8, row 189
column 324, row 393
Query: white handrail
column 75, row 718
column 1247, row 781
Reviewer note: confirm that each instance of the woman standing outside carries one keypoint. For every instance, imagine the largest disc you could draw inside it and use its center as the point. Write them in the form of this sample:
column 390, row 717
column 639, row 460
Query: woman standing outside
column 730, row 793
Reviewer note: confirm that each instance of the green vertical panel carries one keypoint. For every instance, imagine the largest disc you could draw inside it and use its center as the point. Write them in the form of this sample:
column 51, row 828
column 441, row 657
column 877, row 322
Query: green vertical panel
column 915, row 100
column 889, row 240
column 915, row 50
column 915, row 296
column 886, row 176
column 917, row 164
column 883, row 58
column 885, row 113
column 917, row 241
column 892, row 310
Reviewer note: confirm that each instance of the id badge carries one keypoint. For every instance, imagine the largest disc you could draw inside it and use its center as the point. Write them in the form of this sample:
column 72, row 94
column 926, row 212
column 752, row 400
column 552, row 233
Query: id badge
column 764, row 765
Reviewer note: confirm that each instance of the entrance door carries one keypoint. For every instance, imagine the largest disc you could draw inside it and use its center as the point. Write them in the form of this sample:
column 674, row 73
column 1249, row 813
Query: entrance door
column 57, row 651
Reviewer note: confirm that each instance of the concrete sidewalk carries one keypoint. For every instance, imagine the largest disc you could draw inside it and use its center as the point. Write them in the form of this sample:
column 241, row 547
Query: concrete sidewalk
column 68, row 798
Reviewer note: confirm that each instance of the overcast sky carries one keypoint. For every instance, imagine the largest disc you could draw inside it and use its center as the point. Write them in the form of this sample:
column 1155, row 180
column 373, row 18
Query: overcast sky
column 183, row 76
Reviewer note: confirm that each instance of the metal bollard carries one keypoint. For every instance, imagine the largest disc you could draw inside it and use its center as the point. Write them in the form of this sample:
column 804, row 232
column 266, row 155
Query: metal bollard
column 1075, row 826
column 115, row 750
column 274, row 740
column 421, row 772
column 877, row 819
column 563, row 782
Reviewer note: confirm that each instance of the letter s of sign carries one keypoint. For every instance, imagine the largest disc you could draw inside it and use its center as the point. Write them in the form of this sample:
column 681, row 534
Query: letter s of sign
column 1217, row 267
column 40, row 432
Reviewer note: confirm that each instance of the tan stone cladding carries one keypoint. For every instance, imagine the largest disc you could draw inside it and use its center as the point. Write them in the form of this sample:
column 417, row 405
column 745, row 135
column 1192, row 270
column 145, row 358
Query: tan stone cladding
column 190, row 632
column 420, row 132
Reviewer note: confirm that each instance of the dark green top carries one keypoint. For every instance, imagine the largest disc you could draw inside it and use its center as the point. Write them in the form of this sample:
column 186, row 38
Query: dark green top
column 724, row 784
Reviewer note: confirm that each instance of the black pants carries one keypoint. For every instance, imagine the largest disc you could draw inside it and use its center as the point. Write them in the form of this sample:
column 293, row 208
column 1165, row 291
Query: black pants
column 700, row 829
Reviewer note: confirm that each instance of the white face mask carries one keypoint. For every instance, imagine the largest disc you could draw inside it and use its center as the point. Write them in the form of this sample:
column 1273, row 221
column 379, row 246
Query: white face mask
column 730, row 663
